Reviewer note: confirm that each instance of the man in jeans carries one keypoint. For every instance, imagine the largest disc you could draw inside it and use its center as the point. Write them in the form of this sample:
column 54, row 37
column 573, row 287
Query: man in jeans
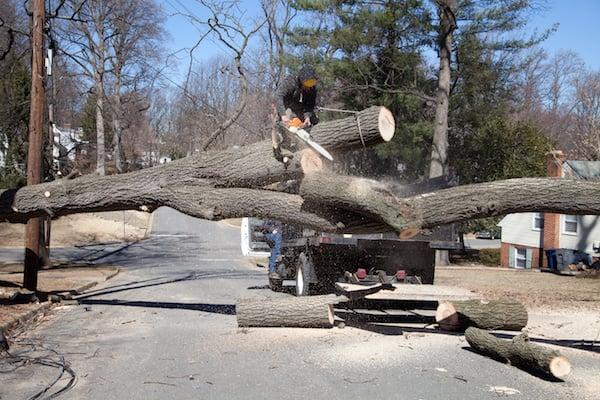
column 273, row 231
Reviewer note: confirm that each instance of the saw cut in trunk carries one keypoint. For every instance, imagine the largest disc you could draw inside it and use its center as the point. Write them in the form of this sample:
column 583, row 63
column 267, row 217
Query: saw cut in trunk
column 506, row 315
column 520, row 353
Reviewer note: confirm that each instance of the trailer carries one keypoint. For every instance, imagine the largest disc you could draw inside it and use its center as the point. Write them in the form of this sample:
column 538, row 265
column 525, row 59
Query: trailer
column 316, row 262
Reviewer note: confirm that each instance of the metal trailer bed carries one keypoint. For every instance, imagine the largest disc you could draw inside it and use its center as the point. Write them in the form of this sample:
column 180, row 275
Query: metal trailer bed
column 316, row 263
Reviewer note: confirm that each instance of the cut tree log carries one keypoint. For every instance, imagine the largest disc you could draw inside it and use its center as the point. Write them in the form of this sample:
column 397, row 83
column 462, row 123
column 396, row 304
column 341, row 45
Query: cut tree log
column 486, row 314
column 519, row 352
column 295, row 312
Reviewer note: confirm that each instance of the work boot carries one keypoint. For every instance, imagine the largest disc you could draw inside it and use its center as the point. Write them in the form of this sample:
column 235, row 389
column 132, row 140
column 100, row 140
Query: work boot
column 274, row 276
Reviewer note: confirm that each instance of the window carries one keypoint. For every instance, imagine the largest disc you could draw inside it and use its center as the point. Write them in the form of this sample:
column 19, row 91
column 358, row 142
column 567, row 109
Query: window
column 521, row 258
column 538, row 221
column 570, row 225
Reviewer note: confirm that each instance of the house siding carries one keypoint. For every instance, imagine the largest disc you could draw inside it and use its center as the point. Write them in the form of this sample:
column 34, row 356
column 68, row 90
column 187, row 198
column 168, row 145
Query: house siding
column 588, row 232
column 518, row 229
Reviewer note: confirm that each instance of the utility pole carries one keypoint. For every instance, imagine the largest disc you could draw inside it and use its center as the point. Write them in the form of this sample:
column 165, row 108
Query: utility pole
column 36, row 141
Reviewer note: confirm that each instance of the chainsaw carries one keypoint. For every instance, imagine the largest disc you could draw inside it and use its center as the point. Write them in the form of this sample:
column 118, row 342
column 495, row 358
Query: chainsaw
column 296, row 127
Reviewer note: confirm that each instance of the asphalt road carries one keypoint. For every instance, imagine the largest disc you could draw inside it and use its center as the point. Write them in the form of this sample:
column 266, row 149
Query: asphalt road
column 165, row 328
column 482, row 243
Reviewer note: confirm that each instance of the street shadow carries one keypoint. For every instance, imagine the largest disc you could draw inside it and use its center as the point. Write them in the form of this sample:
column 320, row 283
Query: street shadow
column 227, row 309
column 591, row 345
column 352, row 317
column 215, row 274
column 10, row 284
column 533, row 372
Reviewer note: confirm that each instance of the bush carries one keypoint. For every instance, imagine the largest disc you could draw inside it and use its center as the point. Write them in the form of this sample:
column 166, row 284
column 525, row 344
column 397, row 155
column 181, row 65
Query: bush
column 489, row 257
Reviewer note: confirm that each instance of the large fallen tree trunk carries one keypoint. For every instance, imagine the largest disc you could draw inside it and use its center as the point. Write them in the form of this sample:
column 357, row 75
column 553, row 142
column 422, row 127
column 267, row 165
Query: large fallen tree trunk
column 507, row 315
column 245, row 182
column 519, row 352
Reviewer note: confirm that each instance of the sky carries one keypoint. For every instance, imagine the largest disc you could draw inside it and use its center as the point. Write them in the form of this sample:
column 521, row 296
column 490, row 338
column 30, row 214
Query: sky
column 578, row 29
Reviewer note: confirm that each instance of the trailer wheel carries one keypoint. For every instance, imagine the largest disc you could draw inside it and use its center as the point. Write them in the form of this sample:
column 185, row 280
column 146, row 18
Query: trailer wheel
column 304, row 273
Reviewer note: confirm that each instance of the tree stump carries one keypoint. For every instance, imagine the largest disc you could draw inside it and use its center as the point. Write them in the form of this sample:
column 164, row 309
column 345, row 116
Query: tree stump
column 519, row 352
column 298, row 312
column 485, row 314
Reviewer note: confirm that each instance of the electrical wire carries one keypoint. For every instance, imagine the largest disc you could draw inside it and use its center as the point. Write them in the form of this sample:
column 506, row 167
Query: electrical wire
column 56, row 360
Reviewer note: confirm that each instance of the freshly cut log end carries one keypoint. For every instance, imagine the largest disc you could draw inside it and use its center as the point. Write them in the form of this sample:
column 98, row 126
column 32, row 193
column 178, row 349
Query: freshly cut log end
column 485, row 314
column 519, row 352
column 447, row 317
column 311, row 162
column 294, row 312
column 387, row 125
column 560, row 367
column 409, row 233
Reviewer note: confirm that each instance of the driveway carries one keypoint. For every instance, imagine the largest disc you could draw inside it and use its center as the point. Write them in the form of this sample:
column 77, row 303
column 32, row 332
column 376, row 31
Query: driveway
column 165, row 328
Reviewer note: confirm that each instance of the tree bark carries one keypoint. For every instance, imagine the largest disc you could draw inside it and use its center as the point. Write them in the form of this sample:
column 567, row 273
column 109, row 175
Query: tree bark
column 519, row 352
column 439, row 148
column 99, row 92
column 117, row 126
column 493, row 314
column 301, row 312
column 100, row 153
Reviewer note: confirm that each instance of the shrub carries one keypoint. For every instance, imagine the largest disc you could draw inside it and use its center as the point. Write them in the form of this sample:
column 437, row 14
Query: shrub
column 490, row 257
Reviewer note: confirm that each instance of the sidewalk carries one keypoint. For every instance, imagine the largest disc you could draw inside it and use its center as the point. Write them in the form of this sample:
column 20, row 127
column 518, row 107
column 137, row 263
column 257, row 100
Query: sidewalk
column 62, row 280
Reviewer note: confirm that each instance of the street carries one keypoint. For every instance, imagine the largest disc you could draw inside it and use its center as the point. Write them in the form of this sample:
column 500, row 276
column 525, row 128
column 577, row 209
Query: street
column 165, row 328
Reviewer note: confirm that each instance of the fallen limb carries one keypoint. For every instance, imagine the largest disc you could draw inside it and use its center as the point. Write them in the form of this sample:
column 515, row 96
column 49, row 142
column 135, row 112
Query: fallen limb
column 244, row 182
column 485, row 314
column 519, row 352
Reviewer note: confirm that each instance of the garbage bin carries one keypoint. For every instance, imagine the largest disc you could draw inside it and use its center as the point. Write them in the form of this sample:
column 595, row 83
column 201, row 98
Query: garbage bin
column 565, row 257
column 551, row 257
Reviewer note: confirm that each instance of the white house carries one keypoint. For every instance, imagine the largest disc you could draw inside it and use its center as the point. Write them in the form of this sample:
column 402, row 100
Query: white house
column 526, row 236
column 66, row 142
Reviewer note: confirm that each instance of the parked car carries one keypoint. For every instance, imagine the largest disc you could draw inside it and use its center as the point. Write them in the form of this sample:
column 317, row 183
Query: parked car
column 488, row 234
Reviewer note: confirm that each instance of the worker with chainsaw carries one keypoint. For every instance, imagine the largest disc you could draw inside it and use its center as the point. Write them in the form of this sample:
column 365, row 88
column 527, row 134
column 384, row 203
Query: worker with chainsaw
column 297, row 98
column 294, row 113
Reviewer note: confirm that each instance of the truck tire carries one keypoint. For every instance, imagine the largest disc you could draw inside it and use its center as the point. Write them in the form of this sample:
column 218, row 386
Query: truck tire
column 276, row 285
column 304, row 275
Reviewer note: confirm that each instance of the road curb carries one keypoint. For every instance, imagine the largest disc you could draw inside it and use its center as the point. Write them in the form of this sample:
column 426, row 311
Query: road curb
column 90, row 285
column 26, row 317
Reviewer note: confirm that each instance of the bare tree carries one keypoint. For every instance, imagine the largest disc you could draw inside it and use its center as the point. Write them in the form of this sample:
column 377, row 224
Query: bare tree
column 135, row 46
column 562, row 69
column 439, row 149
column 86, row 41
column 587, row 115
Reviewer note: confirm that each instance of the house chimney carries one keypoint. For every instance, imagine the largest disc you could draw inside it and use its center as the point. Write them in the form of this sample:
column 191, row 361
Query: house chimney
column 551, row 233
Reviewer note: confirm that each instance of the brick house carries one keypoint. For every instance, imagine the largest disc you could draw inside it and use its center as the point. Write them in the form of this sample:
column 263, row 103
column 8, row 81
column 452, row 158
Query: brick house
column 526, row 236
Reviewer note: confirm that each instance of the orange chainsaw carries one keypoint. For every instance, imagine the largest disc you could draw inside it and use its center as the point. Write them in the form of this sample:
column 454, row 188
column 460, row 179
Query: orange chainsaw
column 295, row 125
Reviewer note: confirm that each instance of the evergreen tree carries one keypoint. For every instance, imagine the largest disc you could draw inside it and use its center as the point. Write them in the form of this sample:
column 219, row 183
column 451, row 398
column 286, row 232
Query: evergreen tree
column 370, row 53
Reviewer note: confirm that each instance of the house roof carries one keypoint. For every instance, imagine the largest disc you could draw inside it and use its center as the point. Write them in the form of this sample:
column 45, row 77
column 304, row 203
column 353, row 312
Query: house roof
column 586, row 170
